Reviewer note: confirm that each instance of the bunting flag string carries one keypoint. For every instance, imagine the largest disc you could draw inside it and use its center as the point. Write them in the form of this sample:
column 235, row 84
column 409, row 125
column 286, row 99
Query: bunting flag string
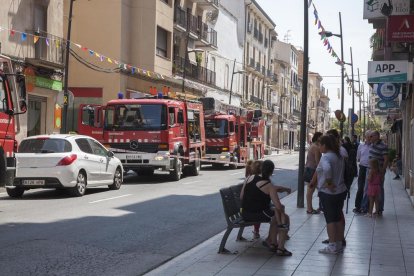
column 325, row 39
column 60, row 42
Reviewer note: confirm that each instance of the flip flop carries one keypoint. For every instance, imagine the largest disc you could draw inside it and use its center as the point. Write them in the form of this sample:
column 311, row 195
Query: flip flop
column 283, row 252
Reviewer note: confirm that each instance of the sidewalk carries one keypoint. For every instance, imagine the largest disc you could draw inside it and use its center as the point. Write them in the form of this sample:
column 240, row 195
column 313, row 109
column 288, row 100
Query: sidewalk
column 375, row 246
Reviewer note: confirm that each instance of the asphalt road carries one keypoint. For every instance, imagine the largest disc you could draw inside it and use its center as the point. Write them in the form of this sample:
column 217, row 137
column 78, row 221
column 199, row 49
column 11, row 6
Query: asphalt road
column 126, row 232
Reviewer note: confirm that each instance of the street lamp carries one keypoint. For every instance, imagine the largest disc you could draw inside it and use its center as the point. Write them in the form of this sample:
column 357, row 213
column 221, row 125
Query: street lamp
column 232, row 75
column 340, row 35
column 66, row 80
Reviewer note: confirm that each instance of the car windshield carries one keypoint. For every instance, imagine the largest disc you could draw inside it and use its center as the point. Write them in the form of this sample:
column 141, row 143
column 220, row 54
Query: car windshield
column 136, row 117
column 216, row 128
column 46, row 145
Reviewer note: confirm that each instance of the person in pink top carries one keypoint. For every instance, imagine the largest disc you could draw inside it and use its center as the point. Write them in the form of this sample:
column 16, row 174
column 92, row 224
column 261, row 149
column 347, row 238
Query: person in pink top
column 374, row 186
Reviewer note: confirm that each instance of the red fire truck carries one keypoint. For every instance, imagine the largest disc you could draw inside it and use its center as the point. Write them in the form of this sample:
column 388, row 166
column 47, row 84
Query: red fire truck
column 149, row 134
column 12, row 86
column 233, row 134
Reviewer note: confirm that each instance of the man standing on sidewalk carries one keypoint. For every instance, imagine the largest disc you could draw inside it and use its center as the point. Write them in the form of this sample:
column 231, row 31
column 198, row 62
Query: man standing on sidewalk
column 363, row 158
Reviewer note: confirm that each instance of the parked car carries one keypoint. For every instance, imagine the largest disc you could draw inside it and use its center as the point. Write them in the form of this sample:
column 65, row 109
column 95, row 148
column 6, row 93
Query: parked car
column 62, row 161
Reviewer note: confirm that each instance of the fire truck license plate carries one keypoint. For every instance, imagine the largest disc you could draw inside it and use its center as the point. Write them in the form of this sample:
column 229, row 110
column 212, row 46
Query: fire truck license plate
column 33, row 182
column 133, row 156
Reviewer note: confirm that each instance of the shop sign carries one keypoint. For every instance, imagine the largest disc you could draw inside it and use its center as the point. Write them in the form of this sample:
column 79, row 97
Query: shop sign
column 384, row 8
column 400, row 28
column 387, row 91
column 395, row 71
column 384, row 105
column 49, row 84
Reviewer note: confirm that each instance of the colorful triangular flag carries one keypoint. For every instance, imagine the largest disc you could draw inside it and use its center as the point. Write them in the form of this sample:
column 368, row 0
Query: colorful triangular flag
column 23, row 36
column 35, row 39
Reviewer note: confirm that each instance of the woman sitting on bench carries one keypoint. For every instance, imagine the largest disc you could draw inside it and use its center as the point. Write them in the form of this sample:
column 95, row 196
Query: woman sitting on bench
column 257, row 194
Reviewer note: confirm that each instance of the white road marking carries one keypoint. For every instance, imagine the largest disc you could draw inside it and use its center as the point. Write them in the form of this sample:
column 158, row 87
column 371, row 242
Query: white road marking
column 191, row 182
column 105, row 199
column 236, row 173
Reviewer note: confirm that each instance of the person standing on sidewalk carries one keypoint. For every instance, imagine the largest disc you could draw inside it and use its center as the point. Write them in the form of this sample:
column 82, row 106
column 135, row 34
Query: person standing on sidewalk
column 332, row 191
column 312, row 161
column 379, row 151
column 363, row 159
column 374, row 186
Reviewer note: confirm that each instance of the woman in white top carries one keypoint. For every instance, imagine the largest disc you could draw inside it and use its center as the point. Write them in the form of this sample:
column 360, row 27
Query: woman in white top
column 332, row 191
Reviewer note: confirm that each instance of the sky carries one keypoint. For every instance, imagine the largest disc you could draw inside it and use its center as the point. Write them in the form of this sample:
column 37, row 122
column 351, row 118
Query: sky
column 288, row 17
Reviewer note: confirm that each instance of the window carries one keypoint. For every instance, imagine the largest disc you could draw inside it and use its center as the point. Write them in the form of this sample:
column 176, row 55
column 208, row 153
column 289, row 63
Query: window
column 44, row 146
column 213, row 64
column 165, row 1
column 162, row 42
column 84, row 145
column 232, row 127
column 88, row 116
column 180, row 117
column 3, row 100
column 171, row 116
column 97, row 149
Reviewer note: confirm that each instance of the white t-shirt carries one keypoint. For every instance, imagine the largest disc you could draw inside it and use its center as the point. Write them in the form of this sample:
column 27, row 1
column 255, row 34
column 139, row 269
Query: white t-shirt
column 331, row 167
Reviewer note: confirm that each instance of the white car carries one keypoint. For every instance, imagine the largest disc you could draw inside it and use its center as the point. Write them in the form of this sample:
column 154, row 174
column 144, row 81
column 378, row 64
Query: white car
column 64, row 161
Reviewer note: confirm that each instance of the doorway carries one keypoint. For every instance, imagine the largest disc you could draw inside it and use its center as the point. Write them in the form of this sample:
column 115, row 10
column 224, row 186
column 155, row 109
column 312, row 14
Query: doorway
column 36, row 119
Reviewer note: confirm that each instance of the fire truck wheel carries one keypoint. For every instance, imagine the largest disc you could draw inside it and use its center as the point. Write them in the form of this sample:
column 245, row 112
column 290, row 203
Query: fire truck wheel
column 196, row 167
column 2, row 168
column 234, row 166
column 178, row 169
column 15, row 192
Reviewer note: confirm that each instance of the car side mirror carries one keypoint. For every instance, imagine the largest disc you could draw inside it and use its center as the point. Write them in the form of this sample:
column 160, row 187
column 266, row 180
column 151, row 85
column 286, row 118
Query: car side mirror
column 110, row 154
column 23, row 106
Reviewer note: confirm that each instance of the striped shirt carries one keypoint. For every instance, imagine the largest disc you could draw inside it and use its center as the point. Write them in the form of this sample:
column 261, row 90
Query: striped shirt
column 377, row 151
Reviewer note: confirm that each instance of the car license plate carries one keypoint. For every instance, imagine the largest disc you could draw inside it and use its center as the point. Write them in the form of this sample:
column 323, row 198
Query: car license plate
column 133, row 156
column 33, row 182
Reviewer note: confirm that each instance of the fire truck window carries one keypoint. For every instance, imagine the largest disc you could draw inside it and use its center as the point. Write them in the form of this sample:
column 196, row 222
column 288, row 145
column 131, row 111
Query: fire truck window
column 180, row 118
column 171, row 116
column 88, row 116
column 194, row 127
column 216, row 128
column 231, row 127
column 2, row 96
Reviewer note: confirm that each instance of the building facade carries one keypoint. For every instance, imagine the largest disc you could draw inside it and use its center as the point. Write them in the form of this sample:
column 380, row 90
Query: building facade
column 31, row 35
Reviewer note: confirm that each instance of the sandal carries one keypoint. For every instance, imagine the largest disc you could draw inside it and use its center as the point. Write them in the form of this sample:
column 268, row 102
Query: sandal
column 283, row 252
column 313, row 212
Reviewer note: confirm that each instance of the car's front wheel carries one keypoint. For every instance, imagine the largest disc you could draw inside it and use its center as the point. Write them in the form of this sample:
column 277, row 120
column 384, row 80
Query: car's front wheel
column 15, row 192
column 117, row 180
column 80, row 188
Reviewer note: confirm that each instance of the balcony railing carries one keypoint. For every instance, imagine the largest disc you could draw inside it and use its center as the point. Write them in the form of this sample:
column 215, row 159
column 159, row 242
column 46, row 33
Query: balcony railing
column 251, row 62
column 180, row 17
column 203, row 30
column 212, row 37
column 258, row 66
column 192, row 23
column 296, row 113
column 195, row 72
column 256, row 100
column 49, row 49
column 264, row 70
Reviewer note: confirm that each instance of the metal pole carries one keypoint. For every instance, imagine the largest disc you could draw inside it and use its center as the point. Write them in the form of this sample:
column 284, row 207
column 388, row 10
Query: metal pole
column 231, row 83
column 365, row 111
column 66, row 80
column 184, row 66
column 360, row 103
column 353, row 96
column 341, row 124
column 301, row 187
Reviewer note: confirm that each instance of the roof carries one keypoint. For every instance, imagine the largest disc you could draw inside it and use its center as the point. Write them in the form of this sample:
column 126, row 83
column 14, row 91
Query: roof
column 56, row 136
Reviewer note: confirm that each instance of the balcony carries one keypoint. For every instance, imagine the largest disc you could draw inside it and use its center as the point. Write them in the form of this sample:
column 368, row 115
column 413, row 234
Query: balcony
column 261, row 37
column 209, row 5
column 264, row 70
column 208, row 37
column 195, row 72
column 180, row 19
column 249, row 28
column 258, row 67
column 256, row 33
column 192, row 25
column 251, row 62
column 256, row 100
column 48, row 51
column 266, row 43
column 296, row 113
